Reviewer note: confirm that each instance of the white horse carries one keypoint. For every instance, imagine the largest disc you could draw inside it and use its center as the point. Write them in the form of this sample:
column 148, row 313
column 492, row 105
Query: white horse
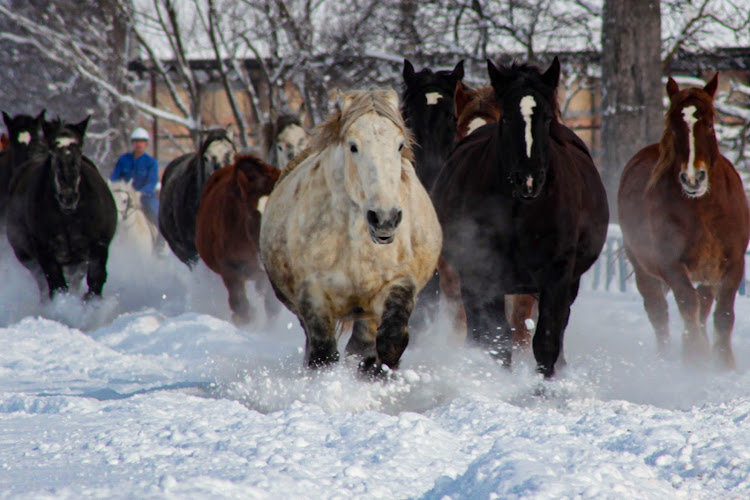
column 349, row 233
column 133, row 228
column 284, row 140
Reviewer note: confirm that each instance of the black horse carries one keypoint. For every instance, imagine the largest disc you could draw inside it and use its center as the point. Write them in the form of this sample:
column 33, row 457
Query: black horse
column 428, row 110
column 61, row 215
column 182, row 186
column 24, row 135
column 523, row 210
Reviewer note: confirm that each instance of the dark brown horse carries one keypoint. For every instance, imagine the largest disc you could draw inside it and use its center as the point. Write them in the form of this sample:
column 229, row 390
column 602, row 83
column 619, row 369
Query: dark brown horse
column 228, row 227
column 684, row 218
column 523, row 211
column 474, row 108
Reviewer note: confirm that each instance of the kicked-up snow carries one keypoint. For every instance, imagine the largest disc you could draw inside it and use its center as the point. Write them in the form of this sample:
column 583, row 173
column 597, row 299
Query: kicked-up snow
column 153, row 393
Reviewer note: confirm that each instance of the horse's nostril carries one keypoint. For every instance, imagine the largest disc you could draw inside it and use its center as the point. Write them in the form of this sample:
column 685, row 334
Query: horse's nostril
column 372, row 218
column 701, row 176
column 399, row 216
column 684, row 178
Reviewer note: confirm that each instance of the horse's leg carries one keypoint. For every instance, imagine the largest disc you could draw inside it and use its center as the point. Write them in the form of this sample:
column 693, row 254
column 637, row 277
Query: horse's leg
column 724, row 316
column 695, row 341
column 54, row 274
column 426, row 306
column 270, row 302
column 319, row 326
column 706, row 296
column 238, row 302
column 393, row 331
column 96, row 273
column 519, row 309
column 450, row 287
column 554, row 312
column 487, row 325
column 655, row 303
column 363, row 340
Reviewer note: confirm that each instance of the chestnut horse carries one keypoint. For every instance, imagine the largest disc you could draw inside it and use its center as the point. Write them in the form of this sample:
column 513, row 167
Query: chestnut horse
column 524, row 211
column 474, row 108
column 228, row 227
column 684, row 219
column 349, row 233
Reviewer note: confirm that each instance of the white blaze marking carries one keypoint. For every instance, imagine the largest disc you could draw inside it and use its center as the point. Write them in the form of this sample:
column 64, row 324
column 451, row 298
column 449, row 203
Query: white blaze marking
column 64, row 142
column 24, row 137
column 433, row 97
column 688, row 114
column 527, row 110
column 475, row 124
column 262, row 203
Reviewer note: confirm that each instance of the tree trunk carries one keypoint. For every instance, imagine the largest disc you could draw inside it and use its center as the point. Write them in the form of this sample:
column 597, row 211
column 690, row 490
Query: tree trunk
column 632, row 110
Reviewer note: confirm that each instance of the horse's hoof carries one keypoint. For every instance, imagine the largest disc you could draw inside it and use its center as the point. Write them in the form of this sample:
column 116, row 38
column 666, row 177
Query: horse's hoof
column 90, row 296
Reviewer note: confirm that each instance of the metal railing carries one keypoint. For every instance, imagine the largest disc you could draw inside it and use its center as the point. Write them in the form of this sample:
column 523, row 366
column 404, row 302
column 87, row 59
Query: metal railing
column 612, row 270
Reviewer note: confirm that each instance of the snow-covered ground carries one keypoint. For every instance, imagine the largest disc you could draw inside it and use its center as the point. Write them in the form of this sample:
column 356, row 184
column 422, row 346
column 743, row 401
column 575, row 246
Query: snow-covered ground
column 152, row 393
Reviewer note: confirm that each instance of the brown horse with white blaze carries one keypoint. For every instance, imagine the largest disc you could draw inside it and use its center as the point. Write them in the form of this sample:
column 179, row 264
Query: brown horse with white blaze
column 685, row 221
column 228, row 228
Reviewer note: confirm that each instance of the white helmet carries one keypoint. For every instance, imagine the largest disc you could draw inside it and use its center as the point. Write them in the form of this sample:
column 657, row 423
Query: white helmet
column 139, row 134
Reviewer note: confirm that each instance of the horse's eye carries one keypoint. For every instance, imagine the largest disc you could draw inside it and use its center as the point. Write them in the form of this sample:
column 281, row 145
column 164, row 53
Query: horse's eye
column 353, row 148
column 281, row 148
column 400, row 147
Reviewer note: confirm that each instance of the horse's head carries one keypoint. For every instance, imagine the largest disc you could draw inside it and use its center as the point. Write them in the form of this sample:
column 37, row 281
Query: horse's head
column 428, row 104
column 374, row 147
column 474, row 108
column 690, row 122
column 65, row 143
column 291, row 139
column 127, row 199
column 529, row 110
column 24, row 131
column 217, row 150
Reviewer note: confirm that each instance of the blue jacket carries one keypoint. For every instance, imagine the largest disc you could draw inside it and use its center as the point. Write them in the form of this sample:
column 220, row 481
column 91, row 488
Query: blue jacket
column 144, row 172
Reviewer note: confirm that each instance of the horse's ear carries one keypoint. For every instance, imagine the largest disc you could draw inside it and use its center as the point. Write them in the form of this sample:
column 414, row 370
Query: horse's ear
column 342, row 101
column 409, row 73
column 551, row 77
column 711, row 86
column 80, row 127
column 40, row 116
column 460, row 97
column 458, row 71
column 229, row 130
column 672, row 87
column 496, row 78
column 7, row 119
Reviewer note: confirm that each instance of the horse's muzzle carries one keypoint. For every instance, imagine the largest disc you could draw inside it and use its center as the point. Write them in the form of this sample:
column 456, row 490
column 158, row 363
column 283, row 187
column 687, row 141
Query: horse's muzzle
column 68, row 201
column 382, row 225
column 697, row 187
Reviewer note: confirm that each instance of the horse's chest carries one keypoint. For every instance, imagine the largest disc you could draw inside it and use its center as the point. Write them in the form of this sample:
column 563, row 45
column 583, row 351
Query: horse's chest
column 68, row 244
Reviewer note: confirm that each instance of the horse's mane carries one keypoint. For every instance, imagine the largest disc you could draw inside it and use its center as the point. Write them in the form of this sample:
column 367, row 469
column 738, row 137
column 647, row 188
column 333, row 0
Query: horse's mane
column 359, row 103
column 270, row 130
column 666, row 144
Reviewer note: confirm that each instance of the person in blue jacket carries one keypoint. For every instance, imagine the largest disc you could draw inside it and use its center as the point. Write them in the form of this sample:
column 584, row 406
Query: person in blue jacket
column 143, row 170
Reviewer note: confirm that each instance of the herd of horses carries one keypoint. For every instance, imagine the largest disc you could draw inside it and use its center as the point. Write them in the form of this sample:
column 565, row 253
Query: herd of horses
column 479, row 200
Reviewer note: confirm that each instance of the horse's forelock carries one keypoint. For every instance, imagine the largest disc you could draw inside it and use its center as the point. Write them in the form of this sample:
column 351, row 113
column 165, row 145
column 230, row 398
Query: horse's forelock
column 335, row 128
column 520, row 76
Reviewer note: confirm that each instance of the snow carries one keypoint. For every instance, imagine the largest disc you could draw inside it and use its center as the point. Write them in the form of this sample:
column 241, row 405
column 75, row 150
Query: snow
column 152, row 393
